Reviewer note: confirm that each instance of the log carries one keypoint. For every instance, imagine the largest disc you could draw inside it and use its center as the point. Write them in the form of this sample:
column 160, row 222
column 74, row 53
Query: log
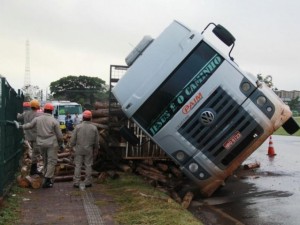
column 176, row 171
column 63, row 155
column 67, row 160
column 105, row 112
column 27, row 144
column 148, row 162
column 154, row 197
column 101, row 105
column 176, row 197
column 150, row 168
column 99, row 113
column 35, row 181
column 100, row 126
column 26, row 161
column 64, row 178
column 65, row 166
column 124, row 168
column 252, row 166
column 22, row 182
column 163, row 167
column 24, row 171
column 100, row 120
column 187, row 199
column 154, row 176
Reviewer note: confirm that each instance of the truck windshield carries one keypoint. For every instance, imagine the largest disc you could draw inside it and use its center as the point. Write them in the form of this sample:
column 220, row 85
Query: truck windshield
column 178, row 88
column 72, row 109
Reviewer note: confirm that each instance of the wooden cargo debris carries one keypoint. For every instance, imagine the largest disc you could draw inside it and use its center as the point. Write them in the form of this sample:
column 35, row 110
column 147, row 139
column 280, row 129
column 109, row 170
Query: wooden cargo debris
column 251, row 165
column 187, row 199
column 22, row 182
column 154, row 176
column 35, row 181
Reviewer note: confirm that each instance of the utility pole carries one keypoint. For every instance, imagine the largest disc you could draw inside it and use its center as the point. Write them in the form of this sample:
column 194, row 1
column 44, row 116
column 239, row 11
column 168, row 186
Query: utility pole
column 27, row 65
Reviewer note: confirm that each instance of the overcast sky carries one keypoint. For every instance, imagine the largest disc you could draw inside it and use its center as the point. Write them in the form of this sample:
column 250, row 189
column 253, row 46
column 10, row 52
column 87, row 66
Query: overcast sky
column 84, row 37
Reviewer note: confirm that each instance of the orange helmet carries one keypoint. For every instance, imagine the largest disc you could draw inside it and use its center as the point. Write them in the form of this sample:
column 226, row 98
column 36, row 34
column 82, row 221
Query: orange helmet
column 87, row 114
column 49, row 106
column 26, row 104
column 35, row 104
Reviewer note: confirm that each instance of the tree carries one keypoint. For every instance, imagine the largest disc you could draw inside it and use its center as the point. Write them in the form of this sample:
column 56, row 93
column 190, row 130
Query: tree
column 293, row 104
column 80, row 89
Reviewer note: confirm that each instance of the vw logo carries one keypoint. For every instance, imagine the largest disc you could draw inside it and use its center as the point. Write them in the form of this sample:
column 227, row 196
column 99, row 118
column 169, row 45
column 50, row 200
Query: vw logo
column 207, row 117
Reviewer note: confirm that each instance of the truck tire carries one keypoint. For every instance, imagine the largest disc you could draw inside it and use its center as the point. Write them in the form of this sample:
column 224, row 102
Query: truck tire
column 291, row 126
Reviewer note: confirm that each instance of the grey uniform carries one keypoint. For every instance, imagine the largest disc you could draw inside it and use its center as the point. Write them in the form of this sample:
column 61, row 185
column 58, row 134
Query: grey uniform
column 85, row 138
column 30, row 135
column 48, row 137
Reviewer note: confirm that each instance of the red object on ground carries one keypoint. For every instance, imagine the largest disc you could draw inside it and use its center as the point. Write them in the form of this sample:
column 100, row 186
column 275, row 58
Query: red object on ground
column 271, row 151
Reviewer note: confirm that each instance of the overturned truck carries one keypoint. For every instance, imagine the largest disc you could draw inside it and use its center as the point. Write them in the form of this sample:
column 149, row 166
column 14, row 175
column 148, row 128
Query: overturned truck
column 196, row 104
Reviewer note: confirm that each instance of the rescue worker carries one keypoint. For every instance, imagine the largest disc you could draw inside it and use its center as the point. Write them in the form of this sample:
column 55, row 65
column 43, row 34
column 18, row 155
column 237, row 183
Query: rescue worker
column 30, row 135
column 84, row 140
column 69, row 122
column 49, row 138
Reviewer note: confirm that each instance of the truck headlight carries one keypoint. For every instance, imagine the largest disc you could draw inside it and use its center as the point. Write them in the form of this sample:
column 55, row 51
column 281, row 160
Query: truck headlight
column 261, row 100
column 180, row 156
column 193, row 167
column 269, row 109
column 245, row 86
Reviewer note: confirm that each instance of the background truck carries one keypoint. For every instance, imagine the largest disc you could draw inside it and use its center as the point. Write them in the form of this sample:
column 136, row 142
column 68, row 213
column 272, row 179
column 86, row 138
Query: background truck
column 61, row 108
column 196, row 104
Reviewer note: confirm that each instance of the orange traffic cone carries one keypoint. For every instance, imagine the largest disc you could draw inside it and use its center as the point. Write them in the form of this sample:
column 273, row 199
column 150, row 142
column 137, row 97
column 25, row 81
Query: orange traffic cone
column 271, row 151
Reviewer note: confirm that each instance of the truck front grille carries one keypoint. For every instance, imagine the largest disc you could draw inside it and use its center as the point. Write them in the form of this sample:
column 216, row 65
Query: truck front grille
column 228, row 119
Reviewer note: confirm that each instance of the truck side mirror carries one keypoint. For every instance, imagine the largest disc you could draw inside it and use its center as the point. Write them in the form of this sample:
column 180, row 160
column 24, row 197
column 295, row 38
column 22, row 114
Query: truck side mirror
column 224, row 35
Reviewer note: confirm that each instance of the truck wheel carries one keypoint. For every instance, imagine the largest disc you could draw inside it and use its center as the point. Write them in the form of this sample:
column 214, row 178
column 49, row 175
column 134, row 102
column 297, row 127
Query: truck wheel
column 291, row 126
column 129, row 135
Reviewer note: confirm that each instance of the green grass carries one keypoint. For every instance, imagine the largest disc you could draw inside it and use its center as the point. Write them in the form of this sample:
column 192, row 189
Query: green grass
column 281, row 131
column 140, row 203
column 10, row 210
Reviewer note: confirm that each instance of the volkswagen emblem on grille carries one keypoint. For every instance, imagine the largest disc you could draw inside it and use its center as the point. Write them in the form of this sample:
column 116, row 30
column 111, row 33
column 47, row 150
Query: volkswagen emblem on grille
column 207, row 117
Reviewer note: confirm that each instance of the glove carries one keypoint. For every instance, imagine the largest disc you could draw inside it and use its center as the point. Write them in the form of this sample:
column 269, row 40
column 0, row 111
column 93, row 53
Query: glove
column 18, row 126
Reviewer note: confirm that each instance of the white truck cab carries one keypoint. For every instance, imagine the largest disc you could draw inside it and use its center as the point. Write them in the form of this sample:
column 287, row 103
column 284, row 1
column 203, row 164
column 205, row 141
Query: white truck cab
column 195, row 102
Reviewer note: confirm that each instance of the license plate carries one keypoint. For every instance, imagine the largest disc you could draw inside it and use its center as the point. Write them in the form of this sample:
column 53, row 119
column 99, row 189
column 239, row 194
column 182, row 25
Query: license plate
column 232, row 140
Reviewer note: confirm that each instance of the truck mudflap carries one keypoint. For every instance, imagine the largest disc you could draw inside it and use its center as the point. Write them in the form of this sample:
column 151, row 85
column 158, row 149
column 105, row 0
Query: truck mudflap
column 291, row 126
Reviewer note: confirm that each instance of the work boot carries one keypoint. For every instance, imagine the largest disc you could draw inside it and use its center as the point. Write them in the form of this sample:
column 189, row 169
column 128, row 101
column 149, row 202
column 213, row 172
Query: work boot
column 34, row 170
column 47, row 183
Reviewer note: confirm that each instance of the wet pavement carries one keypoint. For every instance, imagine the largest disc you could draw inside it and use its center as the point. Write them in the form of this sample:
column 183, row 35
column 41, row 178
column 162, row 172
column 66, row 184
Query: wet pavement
column 267, row 195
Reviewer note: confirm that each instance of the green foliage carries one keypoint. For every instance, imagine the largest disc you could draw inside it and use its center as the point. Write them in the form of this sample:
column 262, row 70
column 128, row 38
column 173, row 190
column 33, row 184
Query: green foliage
column 293, row 104
column 80, row 89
